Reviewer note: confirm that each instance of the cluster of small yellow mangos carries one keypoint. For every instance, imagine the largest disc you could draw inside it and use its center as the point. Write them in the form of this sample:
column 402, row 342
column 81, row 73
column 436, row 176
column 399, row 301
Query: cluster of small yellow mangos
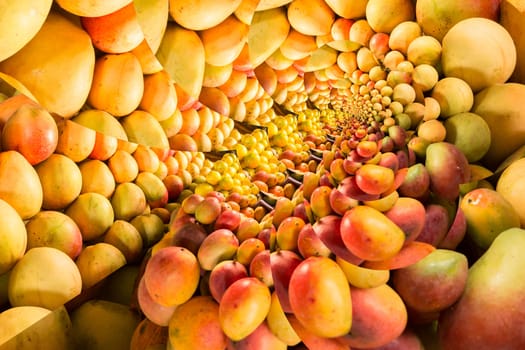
column 262, row 174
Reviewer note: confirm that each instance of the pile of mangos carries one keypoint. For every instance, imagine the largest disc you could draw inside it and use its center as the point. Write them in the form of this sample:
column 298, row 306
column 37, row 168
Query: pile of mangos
column 374, row 200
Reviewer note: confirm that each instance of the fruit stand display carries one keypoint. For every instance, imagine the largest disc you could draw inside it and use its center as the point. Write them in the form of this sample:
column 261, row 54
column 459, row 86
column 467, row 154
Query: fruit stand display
column 262, row 174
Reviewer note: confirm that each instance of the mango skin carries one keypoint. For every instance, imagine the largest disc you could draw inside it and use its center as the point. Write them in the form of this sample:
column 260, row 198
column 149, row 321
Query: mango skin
column 448, row 168
column 495, row 286
column 488, row 213
column 433, row 283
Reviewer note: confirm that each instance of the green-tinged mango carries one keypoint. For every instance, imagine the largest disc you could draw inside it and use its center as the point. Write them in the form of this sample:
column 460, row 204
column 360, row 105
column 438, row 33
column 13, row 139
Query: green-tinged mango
column 100, row 324
column 488, row 214
column 490, row 313
column 434, row 282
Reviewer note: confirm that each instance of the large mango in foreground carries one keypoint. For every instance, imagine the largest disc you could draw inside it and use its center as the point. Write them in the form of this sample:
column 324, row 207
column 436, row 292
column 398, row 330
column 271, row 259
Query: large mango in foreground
column 56, row 65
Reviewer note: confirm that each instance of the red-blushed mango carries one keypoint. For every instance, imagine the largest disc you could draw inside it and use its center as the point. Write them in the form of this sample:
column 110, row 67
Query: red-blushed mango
column 172, row 275
column 155, row 312
column 261, row 338
column 50, row 228
column 195, row 325
column 409, row 254
column 379, row 316
column 416, row 183
column 494, row 283
column 313, row 341
column 32, row 131
column 433, row 283
column 328, row 229
column 409, row 214
column 448, row 168
column 437, row 221
column 309, row 244
column 436, row 18
column 370, row 234
column 244, row 307
column 223, row 275
column 320, row 297
column 283, row 264
column 261, row 268
column 221, row 244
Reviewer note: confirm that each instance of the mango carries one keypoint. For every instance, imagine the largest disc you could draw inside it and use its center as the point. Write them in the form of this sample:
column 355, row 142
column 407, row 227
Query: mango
column 190, row 319
column 488, row 214
column 510, row 185
column 495, row 284
column 100, row 324
column 470, row 133
column 379, row 316
column 434, row 282
column 448, row 168
column 320, row 297
column 497, row 105
column 244, row 307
